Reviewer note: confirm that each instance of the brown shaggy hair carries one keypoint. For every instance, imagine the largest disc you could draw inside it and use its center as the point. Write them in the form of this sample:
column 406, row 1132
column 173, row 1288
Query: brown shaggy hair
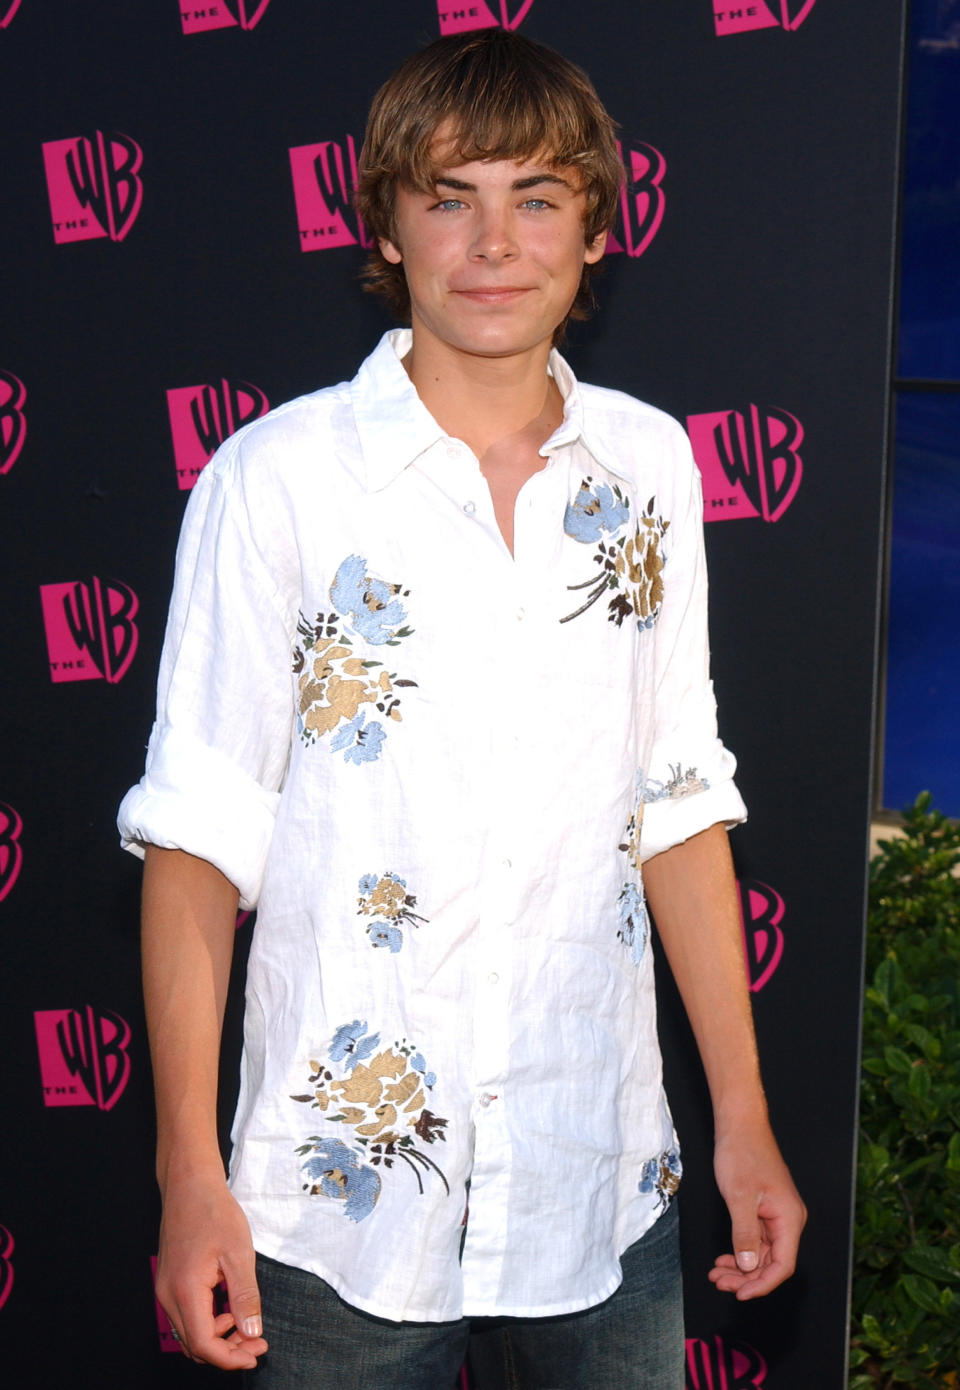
column 501, row 96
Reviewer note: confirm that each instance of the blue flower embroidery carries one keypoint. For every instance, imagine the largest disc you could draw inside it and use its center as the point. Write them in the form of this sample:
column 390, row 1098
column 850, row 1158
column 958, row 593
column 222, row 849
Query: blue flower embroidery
column 630, row 567
column 371, row 605
column 359, row 741
column 418, row 1063
column 387, row 897
column 594, row 511
column 380, row 1101
column 382, row 934
column 336, row 677
column 662, row 1175
column 338, row 1171
column 634, row 921
column 350, row 1046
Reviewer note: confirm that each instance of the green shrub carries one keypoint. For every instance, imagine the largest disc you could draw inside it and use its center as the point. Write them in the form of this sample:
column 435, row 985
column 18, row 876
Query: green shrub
column 906, row 1288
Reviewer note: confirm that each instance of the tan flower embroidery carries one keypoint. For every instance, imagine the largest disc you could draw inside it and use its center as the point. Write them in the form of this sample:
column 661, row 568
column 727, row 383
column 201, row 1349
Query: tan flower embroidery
column 333, row 681
column 631, row 566
column 382, row 1100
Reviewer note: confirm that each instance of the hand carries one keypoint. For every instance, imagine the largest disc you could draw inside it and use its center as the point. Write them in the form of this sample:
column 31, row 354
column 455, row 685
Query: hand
column 204, row 1238
column 766, row 1212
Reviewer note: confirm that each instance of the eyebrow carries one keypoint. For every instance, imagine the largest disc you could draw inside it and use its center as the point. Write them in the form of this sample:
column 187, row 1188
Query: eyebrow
column 518, row 185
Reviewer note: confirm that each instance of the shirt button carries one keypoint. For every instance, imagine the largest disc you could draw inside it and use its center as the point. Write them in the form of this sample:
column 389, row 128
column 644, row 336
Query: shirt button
column 521, row 614
column 469, row 508
column 486, row 1098
column 493, row 978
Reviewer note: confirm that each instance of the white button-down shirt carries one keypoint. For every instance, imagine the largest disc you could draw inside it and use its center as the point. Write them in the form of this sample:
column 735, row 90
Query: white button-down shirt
column 436, row 768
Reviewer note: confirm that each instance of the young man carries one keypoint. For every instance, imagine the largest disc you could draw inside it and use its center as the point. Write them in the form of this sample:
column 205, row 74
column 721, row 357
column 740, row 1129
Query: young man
column 434, row 684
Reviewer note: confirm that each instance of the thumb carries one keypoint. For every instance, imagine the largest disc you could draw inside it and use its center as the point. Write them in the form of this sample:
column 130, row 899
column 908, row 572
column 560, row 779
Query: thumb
column 746, row 1239
column 243, row 1296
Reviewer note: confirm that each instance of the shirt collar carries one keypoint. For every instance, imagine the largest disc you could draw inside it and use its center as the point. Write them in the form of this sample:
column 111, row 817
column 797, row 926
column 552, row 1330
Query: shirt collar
column 395, row 427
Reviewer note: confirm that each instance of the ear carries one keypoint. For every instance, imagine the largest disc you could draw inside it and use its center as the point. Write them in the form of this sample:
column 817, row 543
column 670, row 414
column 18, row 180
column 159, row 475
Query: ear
column 594, row 250
column 389, row 251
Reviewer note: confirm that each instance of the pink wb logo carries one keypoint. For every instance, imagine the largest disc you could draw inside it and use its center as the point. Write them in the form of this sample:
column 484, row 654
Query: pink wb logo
column 6, row 1264
column 11, row 855
column 749, row 461
column 13, row 422
column 760, row 14
column 324, row 182
column 202, row 417
column 222, row 14
column 91, row 633
column 761, row 913
column 720, row 1365
column 94, row 185
column 642, row 201
column 83, row 1056
column 477, row 14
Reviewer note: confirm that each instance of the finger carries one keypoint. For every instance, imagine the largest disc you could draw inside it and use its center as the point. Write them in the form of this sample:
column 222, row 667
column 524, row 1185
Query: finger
column 203, row 1339
column 747, row 1234
column 243, row 1294
column 226, row 1328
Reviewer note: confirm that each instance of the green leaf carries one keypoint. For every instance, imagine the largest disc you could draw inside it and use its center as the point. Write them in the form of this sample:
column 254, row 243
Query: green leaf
column 897, row 1060
column 953, row 1153
column 922, row 1292
column 934, row 1262
column 918, row 1082
column 923, row 1038
column 884, row 978
column 875, row 1066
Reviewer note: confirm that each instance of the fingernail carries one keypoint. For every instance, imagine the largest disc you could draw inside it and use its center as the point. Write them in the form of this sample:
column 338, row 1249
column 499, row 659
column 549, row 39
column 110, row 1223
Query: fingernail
column 252, row 1327
column 747, row 1260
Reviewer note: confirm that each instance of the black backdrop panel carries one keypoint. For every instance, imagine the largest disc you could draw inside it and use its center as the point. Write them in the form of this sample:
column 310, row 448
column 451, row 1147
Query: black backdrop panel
column 179, row 253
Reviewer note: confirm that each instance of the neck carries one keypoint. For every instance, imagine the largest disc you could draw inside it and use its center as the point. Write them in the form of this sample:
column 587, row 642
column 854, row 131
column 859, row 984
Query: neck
column 484, row 400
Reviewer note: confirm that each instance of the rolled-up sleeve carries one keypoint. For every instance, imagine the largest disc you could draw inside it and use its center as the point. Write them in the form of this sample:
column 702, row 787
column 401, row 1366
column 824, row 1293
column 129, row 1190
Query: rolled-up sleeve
column 688, row 785
column 219, row 748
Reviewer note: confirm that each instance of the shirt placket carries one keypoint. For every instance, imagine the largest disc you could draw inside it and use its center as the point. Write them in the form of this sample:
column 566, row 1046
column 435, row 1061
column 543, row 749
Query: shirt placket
column 521, row 614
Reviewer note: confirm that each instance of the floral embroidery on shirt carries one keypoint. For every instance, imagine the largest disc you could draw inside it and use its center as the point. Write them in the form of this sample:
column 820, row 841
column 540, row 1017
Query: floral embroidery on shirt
column 631, row 567
column 358, row 741
column 634, row 920
column 382, row 1098
column 631, row 836
column 333, row 680
column 371, row 605
column 594, row 511
column 387, row 898
column 662, row 1175
column 682, row 782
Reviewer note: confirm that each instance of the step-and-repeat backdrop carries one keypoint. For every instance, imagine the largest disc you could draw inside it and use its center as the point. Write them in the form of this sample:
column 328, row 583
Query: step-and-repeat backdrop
column 180, row 253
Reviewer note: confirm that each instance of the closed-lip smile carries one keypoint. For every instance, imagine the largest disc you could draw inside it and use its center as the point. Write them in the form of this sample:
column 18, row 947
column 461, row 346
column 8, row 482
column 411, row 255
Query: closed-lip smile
column 492, row 294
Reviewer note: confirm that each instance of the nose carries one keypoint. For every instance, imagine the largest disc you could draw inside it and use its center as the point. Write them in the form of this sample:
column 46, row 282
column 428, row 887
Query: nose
column 493, row 239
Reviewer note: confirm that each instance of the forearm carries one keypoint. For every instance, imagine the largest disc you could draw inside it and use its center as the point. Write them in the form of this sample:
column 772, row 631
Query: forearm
column 692, row 892
column 189, row 916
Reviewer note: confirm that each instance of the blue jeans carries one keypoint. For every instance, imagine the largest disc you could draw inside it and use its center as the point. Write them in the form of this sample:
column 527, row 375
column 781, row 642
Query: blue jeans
column 633, row 1340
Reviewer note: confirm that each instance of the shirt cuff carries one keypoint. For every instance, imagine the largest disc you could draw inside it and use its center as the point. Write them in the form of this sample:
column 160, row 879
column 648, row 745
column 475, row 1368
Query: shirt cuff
column 193, row 798
column 675, row 819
